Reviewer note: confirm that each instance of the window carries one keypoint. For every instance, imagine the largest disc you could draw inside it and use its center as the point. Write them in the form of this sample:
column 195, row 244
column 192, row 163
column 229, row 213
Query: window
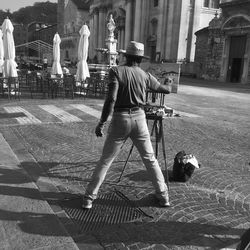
column 215, row 4
column 67, row 54
column 154, row 26
column 156, row 3
column 206, row 3
column 211, row 4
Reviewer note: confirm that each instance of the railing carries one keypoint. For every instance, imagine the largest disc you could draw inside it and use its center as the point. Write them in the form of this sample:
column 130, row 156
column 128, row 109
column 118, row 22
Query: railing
column 39, row 84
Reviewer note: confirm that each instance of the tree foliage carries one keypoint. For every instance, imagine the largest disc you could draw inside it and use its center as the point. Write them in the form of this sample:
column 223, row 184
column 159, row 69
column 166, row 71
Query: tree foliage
column 4, row 14
column 45, row 12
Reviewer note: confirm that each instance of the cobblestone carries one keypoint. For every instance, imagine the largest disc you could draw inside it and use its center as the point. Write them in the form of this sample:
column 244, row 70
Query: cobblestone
column 210, row 211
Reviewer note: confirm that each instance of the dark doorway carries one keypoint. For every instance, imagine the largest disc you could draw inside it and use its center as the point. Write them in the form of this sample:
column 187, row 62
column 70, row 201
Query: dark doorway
column 236, row 70
column 153, row 53
column 236, row 56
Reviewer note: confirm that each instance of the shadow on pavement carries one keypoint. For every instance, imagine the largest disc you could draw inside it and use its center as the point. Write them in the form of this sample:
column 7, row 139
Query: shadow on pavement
column 64, row 170
column 35, row 223
column 23, row 206
column 228, row 86
column 143, row 175
column 148, row 232
column 170, row 233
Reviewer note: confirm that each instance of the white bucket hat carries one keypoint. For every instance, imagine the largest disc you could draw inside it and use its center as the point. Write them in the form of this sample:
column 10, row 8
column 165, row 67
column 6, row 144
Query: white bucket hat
column 135, row 49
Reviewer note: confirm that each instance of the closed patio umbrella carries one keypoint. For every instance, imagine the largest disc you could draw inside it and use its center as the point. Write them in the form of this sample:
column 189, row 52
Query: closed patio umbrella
column 56, row 66
column 1, row 52
column 82, row 67
column 9, row 66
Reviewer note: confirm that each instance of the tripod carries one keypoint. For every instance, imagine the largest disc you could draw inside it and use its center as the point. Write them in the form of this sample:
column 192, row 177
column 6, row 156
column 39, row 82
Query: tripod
column 157, row 130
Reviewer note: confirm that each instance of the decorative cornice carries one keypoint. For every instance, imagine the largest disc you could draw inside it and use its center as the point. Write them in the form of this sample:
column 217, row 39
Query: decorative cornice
column 236, row 21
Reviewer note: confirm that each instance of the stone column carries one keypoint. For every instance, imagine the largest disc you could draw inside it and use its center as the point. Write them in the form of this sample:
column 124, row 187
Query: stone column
column 244, row 78
column 176, row 28
column 225, row 58
column 122, row 33
column 163, row 29
column 91, row 28
column 169, row 28
column 137, row 25
column 159, row 27
column 128, row 23
column 146, row 20
column 101, row 28
column 196, row 26
column 143, row 20
column 186, row 10
column 95, row 29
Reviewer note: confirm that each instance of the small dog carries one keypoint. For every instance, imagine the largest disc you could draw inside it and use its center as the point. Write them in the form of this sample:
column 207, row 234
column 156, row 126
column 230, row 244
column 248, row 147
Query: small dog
column 184, row 166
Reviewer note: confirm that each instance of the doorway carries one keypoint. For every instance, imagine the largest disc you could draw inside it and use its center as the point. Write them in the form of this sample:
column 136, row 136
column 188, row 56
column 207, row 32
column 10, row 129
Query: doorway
column 236, row 69
column 236, row 58
column 153, row 53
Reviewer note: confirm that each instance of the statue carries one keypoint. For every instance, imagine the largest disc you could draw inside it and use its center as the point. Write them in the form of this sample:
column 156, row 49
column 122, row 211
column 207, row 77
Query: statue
column 109, row 53
column 111, row 26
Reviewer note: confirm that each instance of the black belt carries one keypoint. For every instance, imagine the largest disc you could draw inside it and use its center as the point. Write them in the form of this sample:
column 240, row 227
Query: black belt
column 127, row 109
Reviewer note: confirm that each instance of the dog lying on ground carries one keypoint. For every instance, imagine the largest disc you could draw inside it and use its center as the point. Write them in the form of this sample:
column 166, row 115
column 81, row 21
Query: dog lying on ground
column 184, row 166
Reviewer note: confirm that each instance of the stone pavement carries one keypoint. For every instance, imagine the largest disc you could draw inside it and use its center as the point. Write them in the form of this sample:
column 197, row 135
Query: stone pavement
column 48, row 152
column 27, row 221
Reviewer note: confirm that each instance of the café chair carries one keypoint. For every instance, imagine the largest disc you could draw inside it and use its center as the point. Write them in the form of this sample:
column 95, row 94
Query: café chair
column 69, row 83
column 10, row 86
column 56, row 86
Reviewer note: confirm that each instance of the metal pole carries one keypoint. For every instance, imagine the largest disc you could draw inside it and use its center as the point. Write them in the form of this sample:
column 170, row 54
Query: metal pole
column 130, row 152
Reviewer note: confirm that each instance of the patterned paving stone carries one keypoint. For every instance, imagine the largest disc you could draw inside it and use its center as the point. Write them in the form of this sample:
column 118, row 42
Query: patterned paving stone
column 210, row 211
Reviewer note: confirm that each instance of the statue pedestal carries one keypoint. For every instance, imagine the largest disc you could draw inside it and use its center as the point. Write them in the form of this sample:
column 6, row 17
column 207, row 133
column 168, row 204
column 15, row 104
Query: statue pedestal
column 112, row 53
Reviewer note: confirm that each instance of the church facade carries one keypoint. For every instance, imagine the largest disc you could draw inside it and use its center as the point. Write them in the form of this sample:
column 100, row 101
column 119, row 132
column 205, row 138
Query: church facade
column 223, row 48
column 166, row 27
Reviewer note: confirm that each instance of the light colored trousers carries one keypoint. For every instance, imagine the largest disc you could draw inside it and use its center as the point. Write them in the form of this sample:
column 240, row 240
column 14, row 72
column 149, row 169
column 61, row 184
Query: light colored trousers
column 122, row 126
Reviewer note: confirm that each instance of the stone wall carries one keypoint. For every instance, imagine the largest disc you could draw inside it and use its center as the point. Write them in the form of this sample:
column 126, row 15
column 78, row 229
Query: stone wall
column 248, row 76
column 214, row 54
column 201, row 52
column 209, row 50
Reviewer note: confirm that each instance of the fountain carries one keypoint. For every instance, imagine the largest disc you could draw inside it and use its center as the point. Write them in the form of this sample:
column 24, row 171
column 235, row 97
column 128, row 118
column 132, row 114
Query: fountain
column 111, row 42
column 109, row 52
column 99, row 72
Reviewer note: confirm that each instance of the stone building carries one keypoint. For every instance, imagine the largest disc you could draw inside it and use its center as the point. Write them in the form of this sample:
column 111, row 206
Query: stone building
column 71, row 15
column 223, row 48
column 166, row 27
